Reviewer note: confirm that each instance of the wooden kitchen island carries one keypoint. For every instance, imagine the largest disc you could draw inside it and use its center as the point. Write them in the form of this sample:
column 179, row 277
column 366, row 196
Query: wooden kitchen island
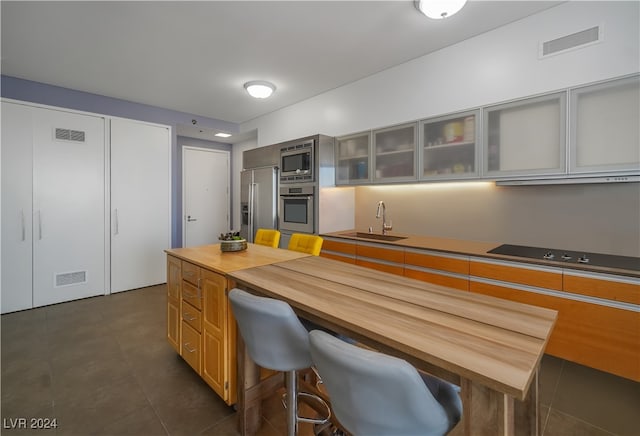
column 200, row 324
column 490, row 347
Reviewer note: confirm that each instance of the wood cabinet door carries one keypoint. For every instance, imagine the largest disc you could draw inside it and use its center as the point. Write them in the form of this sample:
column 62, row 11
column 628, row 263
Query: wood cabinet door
column 215, row 369
column 174, row 277
column 173, row 324
column 598, row 336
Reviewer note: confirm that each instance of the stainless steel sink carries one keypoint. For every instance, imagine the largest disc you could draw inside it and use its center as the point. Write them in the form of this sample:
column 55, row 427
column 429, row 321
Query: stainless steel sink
column 376, row 236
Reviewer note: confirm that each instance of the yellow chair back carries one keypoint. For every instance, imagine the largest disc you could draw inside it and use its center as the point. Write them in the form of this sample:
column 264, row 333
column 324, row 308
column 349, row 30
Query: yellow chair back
column 310, row 244
column 267, row 237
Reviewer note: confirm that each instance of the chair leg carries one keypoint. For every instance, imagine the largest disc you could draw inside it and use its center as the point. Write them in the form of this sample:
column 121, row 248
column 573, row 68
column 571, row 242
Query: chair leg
column 291, row 380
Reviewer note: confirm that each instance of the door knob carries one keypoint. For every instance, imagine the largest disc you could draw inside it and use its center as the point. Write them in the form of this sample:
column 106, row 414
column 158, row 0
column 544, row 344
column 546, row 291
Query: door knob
column 189, row 219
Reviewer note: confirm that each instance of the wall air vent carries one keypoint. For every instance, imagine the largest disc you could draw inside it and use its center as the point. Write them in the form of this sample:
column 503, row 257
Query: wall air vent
column 71, row 278
column 576, row 40
column 69, row 135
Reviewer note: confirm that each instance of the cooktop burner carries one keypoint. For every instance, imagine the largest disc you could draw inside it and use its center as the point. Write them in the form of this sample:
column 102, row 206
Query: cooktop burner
column 577, row 257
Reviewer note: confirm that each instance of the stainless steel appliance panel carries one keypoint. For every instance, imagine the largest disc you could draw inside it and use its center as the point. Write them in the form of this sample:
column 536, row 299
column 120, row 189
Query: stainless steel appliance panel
column 297, row 162
column 297, row 209
column 258, row 201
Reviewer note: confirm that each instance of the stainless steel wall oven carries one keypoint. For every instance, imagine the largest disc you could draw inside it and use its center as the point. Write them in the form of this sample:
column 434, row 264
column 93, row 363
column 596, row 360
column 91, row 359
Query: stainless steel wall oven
column 297, row 209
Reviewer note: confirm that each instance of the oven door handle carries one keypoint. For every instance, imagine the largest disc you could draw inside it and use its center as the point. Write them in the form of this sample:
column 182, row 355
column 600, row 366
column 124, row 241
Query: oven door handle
column 297, row 197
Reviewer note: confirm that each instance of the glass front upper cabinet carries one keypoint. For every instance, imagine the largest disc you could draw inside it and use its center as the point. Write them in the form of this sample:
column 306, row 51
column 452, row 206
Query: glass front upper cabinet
column 526, row 137
column 449, row 146
column 395, row 153
column 605, row 126
column 352, row 157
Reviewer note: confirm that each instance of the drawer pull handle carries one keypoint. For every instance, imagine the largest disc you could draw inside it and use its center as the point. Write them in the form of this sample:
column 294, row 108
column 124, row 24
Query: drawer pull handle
column 190, row 295
column 186, row 316
column 190, row 350
column 189, row 273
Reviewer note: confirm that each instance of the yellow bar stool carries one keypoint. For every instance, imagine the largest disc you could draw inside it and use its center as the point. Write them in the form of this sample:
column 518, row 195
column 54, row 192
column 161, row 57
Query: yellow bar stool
column 305, row 243
column 267, row 237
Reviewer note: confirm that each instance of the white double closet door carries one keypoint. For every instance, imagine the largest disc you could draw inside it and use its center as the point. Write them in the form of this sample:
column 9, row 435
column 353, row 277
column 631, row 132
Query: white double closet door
column 61, row 240
column 53, row 206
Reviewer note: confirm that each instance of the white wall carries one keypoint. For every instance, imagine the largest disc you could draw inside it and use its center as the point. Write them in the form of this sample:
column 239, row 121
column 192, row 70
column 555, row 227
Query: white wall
column 498, row 66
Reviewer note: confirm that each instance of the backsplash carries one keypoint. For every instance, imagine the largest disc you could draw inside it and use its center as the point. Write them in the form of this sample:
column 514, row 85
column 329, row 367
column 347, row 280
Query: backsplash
column 602, row 218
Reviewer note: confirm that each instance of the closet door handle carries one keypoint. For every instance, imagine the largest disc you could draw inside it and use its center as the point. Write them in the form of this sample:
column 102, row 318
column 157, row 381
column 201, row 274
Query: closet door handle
column 22, row 223
column 39, row 225
column 116, row 225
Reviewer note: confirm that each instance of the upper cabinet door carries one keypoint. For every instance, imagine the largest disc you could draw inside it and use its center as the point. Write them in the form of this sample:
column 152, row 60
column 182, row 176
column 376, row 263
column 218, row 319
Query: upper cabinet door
column 526, row 137
column 394, row 157
column 449, row 146
column 605, row 126
column 353, row 159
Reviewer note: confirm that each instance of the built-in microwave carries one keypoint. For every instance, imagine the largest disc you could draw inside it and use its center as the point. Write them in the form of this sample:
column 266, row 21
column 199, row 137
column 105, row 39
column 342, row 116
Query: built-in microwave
column 296, row 162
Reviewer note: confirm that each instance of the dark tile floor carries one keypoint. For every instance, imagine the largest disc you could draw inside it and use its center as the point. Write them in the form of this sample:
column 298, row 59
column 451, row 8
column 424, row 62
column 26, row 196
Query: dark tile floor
column 102, row 366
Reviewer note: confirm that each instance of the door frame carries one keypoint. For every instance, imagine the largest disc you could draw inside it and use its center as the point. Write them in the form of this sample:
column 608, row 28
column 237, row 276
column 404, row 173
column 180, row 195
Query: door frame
column 184, row 185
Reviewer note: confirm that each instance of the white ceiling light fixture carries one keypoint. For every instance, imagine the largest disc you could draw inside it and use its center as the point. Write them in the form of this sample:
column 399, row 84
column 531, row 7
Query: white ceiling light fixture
column 222, row 135
column 259, row 88
column 439, row 9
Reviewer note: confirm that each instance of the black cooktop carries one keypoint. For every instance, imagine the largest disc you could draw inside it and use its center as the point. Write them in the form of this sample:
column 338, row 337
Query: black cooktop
column 574, row 257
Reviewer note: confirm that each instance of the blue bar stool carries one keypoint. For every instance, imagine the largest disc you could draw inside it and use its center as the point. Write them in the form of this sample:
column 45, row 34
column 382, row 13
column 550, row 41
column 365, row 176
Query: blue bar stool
column 275, row 339
column 375, row 394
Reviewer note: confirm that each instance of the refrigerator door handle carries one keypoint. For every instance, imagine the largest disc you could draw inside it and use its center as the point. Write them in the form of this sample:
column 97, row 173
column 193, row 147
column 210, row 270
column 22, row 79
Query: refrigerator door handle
column 250, row 231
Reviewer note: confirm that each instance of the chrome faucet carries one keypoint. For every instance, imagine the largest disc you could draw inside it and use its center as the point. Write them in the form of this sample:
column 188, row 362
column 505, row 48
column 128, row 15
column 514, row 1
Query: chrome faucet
column 381, row 212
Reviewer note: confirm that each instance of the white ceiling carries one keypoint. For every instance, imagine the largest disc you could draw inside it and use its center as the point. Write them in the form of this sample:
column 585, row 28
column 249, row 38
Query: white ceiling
column 194, row 57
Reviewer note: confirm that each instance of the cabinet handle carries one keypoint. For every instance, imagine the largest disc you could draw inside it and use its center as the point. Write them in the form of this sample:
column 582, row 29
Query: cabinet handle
column 189, row 273
column 190, row 350
column 116, row 225
column 22, row 223
column 186, row 317
column 39, row 226
column 188, row 294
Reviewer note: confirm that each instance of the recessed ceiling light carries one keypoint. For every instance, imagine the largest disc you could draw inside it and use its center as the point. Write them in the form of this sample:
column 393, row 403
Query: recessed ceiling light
column 259, row 88
column 222, row 135
column 439, row 9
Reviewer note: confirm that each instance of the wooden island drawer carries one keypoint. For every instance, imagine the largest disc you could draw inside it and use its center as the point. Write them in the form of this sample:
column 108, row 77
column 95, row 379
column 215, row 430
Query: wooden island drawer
column 192, row 316
column 192, row 295
column 190, row 349
column 190, row 273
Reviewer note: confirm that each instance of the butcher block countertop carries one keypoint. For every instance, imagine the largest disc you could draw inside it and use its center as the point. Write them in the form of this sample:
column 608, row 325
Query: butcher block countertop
column 473, row 248
column 495, row 342
column 213, row 259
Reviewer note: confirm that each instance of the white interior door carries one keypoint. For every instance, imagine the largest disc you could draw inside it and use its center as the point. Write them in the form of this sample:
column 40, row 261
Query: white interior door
column 205, row 182
column 68, row 206
column 140, row 204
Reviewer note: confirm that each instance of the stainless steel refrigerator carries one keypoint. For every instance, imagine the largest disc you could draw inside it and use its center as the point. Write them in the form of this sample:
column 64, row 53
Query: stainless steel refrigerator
column 258, row 200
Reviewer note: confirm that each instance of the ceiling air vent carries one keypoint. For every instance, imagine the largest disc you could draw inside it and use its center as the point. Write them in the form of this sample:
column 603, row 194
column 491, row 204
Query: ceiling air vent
column 69, row 135
column 570, row 42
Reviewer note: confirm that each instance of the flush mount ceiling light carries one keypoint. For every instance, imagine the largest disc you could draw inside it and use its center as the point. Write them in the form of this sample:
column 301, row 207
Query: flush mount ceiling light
column 222, row 135
column 439, row 9
column 259, row 88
